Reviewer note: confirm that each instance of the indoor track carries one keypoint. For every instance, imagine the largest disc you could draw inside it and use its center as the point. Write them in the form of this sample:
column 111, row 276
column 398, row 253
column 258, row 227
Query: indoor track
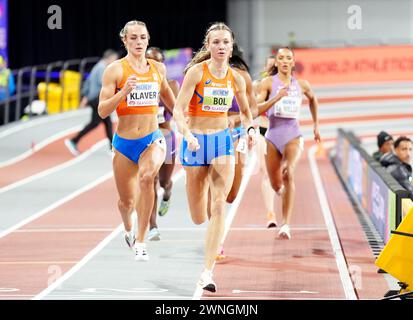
column 61, row 235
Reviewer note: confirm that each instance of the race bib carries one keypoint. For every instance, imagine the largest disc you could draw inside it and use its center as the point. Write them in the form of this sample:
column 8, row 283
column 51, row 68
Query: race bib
column 217, row 99
column 242, row 145
column 161, row 115
column 144, row 95
column 288, row 107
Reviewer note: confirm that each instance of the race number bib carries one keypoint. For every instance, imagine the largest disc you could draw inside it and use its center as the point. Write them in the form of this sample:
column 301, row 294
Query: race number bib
column 217, row 99
column 242, row 145
column 288, row 107
column 161, row 115
column 144, row 95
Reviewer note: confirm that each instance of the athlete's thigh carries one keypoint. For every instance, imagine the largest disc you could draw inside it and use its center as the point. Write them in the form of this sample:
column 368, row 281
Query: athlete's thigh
column 151, row 159
column 197, row 189
column 293, row 151
column 273, row 161
column 221, row 175
column 126, row 176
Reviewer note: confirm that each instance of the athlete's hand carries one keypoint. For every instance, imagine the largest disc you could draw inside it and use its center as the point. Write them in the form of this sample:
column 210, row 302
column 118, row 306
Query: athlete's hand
column 282, row 93
column 130, row 84
column 317, row 136
column 252, row 139
column 193, row 144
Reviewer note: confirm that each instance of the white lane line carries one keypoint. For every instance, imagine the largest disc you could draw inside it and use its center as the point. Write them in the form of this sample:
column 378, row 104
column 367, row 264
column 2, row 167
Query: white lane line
column 39, row 121
column 55, row 169
column 57, row 204
column 232, row 211
column 80, row 264
column 332, row 231
column 46, row 230
column 275, row 292
column 37, row 262
column 131, row 290
column 148, row 297
column 93, row 252
column 39, row 146
column 60, row 230
column 272, row 229
column 9, row 289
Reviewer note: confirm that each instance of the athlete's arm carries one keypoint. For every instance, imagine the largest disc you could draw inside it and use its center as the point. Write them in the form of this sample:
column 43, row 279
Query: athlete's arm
column 309, row 93
column 263, row 89
column 192, row 77
column 242, row 100
column 108, row 100
column 266, row 85
column 167, row 95
column 250, row 96
column 174, row 86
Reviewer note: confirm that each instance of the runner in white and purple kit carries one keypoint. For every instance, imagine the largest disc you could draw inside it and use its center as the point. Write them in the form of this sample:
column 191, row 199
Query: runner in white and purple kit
column 284, row 138
column 165, row 172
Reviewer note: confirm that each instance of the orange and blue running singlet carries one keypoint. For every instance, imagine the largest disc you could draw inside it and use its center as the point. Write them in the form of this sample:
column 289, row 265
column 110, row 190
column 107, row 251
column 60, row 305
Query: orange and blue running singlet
column 212, row 97
column 144, row 98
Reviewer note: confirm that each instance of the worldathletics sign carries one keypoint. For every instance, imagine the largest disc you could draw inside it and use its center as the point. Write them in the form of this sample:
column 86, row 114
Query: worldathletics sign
column 354, row 64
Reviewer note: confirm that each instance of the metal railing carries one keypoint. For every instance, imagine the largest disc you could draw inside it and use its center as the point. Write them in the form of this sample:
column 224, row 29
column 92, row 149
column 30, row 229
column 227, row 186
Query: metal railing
column 27, row 79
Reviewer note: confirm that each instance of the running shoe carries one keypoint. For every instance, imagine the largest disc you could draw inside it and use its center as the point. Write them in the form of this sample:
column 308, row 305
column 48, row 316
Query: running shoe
column 206, row 282
column 140, row 252
column 154, row 235
column 271, row 221
column 284, row 232
column 163, row 208
column 220, row 256
column 72, row 147
column 130, row 240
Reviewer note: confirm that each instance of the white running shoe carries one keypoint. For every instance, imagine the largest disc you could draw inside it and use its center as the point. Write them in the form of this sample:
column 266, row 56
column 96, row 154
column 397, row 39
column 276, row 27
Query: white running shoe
column 284, row 232
column 72, row 147
column 206, row 282
column 140, row 252
column 154, row 235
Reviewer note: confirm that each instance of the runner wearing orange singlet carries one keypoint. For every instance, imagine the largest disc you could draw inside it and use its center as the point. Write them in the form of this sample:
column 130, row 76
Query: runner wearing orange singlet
column 207, row 151
column 133, row 86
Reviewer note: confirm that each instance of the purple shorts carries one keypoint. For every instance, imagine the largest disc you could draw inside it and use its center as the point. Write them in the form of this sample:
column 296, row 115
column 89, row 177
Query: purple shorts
column 281, row 131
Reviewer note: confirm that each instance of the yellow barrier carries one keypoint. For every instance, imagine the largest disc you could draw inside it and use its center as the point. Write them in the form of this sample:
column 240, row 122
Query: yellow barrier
column 397, row 256
column 407, row 205
column 71, row 95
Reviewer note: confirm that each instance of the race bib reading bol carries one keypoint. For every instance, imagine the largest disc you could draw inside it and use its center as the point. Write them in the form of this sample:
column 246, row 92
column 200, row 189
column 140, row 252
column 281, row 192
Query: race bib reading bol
column 144, row 95
column 217, row 99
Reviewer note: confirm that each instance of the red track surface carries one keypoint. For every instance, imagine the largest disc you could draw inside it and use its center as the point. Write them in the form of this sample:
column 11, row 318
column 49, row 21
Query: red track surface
column 268, row 268
column 257, row 262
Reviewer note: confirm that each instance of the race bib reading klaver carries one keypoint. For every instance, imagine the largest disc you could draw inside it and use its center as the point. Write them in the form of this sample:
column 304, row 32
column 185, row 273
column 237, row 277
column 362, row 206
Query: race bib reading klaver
column 144, row 95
